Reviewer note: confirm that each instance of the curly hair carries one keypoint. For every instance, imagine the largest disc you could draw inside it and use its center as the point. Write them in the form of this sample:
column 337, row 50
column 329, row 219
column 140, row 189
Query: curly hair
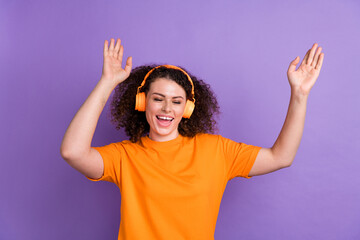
column 124, row 115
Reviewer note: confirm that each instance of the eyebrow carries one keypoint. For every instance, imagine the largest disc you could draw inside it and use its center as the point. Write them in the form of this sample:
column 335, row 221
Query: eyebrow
column 162, row 95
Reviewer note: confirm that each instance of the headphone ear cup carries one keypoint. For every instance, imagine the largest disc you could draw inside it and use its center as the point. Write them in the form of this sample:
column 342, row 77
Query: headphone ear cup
column 189, row 108
column 140, row 102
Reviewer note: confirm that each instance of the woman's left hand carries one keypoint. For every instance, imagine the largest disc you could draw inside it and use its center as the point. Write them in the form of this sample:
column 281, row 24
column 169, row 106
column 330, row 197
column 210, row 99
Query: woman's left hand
column 304, row 78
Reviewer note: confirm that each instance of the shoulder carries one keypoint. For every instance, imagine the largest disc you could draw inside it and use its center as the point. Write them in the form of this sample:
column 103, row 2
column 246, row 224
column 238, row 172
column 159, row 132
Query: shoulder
column 119, row 145
column 212, row 140
column 207, row 138
column 127, row 144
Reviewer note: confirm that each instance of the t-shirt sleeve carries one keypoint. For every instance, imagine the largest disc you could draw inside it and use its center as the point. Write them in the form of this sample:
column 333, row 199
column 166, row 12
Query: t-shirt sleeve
column 239, row 158
column 111, row 155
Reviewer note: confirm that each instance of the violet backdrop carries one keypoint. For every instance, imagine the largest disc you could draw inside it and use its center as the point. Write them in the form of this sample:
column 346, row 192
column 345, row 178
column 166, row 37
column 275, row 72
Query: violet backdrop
column 51, row 59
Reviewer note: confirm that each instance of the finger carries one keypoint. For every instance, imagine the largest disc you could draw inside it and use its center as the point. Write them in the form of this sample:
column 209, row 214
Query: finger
column 128, row 65
column 305, row 57
column 111, row 48
column 316, row 58
column 311, row 55
column 320, row 62
column 106, row 52
column 292, row 66
column 117, row 47
column 121, row 53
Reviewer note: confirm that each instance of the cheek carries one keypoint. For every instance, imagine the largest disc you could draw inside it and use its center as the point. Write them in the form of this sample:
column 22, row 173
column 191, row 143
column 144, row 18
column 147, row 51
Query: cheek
column 151, row 107
column 151, row 110
column 180, row 111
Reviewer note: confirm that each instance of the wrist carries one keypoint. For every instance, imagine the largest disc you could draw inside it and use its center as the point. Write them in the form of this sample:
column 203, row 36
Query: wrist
column 299, row 96
column 107, row 82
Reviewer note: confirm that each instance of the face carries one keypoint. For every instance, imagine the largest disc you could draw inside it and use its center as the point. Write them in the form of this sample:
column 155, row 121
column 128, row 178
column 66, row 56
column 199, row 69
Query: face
column 165, row 104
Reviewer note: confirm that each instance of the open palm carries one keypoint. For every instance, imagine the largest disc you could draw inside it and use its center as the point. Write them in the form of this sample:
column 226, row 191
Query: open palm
column 303, row 79
column 112, row 69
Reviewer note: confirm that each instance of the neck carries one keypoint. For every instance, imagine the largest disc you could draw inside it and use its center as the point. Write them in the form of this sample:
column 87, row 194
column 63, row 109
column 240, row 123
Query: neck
column 160, row 138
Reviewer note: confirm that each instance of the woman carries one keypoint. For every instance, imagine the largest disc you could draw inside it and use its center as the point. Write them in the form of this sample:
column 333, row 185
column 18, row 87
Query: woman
column 172, row 173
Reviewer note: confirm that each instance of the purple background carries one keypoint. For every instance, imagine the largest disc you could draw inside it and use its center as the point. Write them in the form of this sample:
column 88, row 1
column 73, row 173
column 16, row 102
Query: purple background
column 51, row 59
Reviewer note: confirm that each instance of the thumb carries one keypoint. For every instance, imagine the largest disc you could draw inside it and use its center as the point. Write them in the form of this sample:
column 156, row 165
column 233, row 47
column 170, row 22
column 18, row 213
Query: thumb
column 293, row 64
column 128, row 65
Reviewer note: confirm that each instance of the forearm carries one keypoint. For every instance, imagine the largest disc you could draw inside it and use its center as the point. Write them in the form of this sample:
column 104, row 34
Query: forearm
column 288, row 141
column 79, row 134
column 286, row 145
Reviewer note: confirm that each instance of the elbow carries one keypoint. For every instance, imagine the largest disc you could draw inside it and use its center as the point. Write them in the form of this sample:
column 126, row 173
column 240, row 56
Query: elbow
column 286, row 164
column 67, row 154
column 64, row 150
column 281, row 161
column 72, row 154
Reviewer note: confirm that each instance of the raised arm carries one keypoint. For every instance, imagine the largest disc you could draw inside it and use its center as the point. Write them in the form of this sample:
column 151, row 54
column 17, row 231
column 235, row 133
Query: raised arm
column 76, row 144
column 285, row 147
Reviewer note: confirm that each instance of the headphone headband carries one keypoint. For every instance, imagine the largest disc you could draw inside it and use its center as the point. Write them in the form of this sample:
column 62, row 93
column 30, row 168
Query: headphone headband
column 172, row 67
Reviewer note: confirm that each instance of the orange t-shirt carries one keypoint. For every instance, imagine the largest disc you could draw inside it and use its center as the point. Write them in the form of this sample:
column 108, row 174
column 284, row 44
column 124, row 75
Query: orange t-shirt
column 172, row 190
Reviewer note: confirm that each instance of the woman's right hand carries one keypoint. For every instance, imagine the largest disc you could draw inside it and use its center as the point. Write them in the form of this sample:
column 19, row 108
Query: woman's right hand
column 112, row 70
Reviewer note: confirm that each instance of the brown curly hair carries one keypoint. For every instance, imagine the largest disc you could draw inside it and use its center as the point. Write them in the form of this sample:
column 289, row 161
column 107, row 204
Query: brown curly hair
column 124, row 115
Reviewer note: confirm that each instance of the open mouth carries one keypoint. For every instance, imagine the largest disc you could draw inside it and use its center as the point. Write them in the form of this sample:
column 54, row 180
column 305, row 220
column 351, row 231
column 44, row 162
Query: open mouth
column 163, row 118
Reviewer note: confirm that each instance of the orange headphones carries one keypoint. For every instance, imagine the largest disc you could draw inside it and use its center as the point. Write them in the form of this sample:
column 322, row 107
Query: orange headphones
column 140, row 96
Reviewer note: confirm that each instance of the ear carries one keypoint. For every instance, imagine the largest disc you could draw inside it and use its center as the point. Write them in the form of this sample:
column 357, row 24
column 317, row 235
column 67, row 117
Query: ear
column 140, row 102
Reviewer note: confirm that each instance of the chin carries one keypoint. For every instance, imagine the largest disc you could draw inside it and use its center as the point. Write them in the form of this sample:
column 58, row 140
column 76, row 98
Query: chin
column 159, row 134
column 165, row 132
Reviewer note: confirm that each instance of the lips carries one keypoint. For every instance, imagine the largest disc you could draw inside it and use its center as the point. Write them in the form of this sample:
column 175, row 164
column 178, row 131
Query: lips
column 165, row 118
column 164, row 121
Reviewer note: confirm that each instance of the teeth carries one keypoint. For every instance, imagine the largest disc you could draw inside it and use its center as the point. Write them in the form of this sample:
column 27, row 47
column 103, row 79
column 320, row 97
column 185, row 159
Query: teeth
column 165, row 118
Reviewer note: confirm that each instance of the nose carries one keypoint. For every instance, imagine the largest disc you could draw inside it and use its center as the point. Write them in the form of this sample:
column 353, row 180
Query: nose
column 166, row 106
